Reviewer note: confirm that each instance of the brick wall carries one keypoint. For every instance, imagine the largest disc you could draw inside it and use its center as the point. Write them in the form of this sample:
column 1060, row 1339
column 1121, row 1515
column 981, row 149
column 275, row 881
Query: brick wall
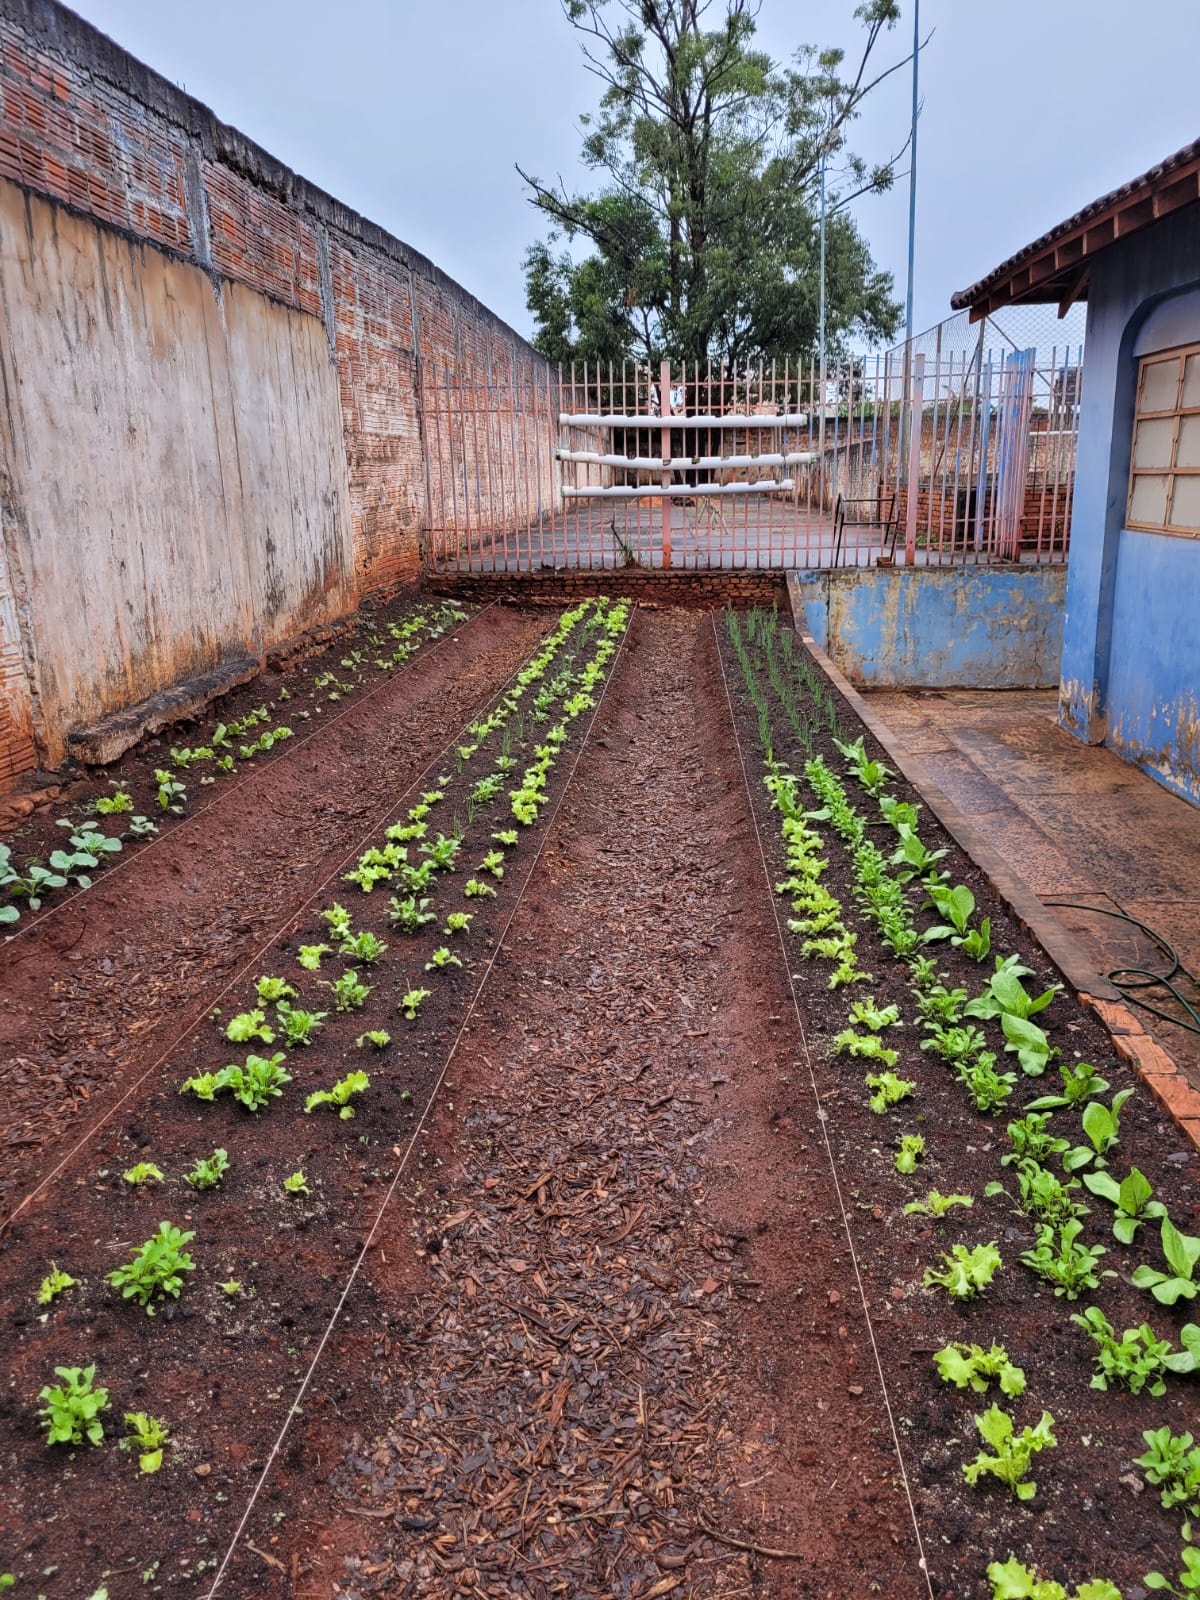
column 86, row 127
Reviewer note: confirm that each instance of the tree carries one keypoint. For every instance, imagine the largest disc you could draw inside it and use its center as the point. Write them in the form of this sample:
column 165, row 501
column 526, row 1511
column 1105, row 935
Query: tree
column 704, row 224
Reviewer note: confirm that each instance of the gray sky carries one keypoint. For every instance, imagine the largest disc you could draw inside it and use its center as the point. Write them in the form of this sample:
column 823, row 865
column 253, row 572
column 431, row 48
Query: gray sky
column 414, row 111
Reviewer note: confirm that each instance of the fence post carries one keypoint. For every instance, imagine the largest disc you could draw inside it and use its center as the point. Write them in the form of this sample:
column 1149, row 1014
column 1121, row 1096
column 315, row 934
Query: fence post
column 664, row 408
column 914, row 460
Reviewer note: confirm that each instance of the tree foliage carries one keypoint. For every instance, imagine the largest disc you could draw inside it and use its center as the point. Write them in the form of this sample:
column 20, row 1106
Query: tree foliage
column 703, row 223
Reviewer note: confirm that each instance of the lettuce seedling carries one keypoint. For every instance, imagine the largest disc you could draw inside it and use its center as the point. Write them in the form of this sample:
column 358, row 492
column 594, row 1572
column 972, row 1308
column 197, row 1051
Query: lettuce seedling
column 936, row 1204
column 1013, row 1451
column 1102, row 1124
column 410, row 1003
column 296, row 1184
column 887, row 1089
column 458, row 922
column 911, row 856
column 148, row 1436
column 55, row 1282
column 71, row 1412
column 402, row 832
column 1006, row 995
column 493, row 862
column 339, row 921
column 205, row 1086
column 864, row 1046
column 353, row 1083
column 1033, row 1049
column 171, row 793
column 912, row 1150
column 363, row 947
column 987, row 1087
column 964, row 1273
column 442, row 958
column 143, row 1172
column 1172, row 1464
column 271, row 991
column 971, row 1364
column 1032, row 1139
column 349, row 993
column 955, row 906
column 1080, row 1082
column 1189, row 1578
column 442, row 851
column 260, row 1080
column 411, row 913
column 475, row 890
column 1041, row 1194
column 1132, row 1199
column 113, row 805
column 1182, row 1252
column 208, row 1171
column 865, row 1014
column 1131, row 1362
column 378, row 1038
column 506, row 837
column 155, row 1268
column 1013, row 1580
column 250, row 1025
column 310, row 955
column 1070, row 1266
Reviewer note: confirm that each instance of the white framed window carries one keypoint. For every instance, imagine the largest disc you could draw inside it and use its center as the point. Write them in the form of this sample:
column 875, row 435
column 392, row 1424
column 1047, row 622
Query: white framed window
column 1164, row 470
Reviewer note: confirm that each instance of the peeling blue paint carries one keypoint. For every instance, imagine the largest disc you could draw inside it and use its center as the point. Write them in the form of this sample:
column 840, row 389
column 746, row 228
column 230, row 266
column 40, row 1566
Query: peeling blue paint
column 939, row 627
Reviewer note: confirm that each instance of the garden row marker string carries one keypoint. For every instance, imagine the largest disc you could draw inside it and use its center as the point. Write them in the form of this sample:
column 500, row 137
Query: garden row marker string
column 419, row 1129
column 392, row 810
column 222, row 793
column 822, row 1116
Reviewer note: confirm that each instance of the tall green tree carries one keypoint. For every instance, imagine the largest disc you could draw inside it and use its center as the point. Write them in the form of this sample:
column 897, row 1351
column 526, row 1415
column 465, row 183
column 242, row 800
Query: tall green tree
column 703, row 221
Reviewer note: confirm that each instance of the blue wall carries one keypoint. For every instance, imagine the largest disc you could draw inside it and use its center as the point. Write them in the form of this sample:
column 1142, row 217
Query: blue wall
column 1131, row 639
column 938, row 627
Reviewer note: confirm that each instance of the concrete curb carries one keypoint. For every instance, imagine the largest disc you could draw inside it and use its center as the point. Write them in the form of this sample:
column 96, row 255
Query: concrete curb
column 1156, row 1068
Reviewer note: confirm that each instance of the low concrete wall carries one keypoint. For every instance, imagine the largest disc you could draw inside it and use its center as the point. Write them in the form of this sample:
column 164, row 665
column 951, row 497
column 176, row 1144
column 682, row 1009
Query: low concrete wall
column 937, row 627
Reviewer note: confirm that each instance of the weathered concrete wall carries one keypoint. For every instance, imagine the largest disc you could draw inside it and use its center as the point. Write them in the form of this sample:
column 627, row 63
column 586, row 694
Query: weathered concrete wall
column 938, row 627
column 170, row 386
column 1130, row 673
column 175, row 460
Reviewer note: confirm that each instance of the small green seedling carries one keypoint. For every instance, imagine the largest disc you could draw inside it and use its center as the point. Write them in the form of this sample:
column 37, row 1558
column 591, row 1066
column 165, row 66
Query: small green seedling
column 310, row 955
column 209, row 1170
column 1013, row 1580
column 363, row 947
column 261, row 1079
column 349, row 993
column 1013, row 1451
column 71, row 1412
column 1059, row 1258
column 912, row 1150
column 411, row 913
column 339, row 1096
column 971, row 1365
column 865, row 1014
column 1188, row 1580
column 1131, row 1362
column 410, row 1002
column 964, row 1273
column 232, row 1287
column 205, row 1085
column 864, row 1047
column 1172, row 1464
column 458, row 922
column 53, row 1284
column 299, row 1026
column 475, row 890
column 936, row 1204
column 1102, row 1125
column 249, row 1025
column 1182, row 1252
column 171, row 793
column 114, row 804
column 1042, row 1194
column 148, row 1436
column 378, row 1038
column 296, row 1184
column 1080, row 1082
column 156, row 1268
column 143, row 1172
column 887, row 1090
column 1006, row 995
column 142, row 827
column 1032, row 1140
column 1131, row 1197
column 506, row 837
column 273, row 990
column 493, row 862
column 339, row 921
column 441, row 958
column 1029, row 1043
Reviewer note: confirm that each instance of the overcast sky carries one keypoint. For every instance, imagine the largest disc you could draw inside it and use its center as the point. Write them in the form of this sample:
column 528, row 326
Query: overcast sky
column 414, row 112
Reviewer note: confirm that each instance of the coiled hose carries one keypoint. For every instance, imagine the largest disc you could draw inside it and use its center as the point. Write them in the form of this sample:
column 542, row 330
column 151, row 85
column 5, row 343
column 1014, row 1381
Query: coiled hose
column 1133, row 981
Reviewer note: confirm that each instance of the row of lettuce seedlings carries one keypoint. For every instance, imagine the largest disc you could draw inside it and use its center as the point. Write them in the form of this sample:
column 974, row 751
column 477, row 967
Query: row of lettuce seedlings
column 958, row 1028
column 94, row 839
column 420, row 858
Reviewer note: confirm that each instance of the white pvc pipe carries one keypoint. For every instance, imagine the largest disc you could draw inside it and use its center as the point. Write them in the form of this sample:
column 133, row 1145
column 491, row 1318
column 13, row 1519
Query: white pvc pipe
column 679, row 491
column 604, row 419
column 593, row 458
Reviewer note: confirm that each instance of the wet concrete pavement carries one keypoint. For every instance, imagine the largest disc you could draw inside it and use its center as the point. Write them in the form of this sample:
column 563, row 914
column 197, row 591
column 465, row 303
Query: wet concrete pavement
column 1075, row 821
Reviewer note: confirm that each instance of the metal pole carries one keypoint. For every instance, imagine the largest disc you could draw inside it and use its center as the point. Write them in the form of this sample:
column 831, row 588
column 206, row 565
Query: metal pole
column 664, row 411
column 821, row 345
column 912, row 222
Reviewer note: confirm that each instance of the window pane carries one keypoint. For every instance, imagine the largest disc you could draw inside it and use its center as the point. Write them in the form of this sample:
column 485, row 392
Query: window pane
column 1185, row 504
column 1149, row 500
column 1188, row 454
column 1153, row 445
column 1160, row 383
column 1191, row 382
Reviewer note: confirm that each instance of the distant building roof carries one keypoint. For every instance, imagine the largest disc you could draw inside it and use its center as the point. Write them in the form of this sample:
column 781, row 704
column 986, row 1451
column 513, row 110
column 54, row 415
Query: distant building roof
column 1055, row 267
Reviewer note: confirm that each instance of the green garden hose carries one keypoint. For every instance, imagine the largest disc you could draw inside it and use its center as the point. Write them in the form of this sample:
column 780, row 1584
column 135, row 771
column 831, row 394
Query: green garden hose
column 1131, row 981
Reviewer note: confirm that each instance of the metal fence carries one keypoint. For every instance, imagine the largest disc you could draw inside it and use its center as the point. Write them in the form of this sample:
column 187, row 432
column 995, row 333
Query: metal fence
column 960, row 449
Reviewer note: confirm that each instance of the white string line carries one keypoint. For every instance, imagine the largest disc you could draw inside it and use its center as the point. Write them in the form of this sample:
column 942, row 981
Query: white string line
column 256, row 770
column 418, row 1130
column 822, row 1122
column 392, row 809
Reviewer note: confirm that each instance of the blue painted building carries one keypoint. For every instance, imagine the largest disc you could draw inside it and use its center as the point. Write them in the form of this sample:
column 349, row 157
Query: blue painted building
column 1130, row 672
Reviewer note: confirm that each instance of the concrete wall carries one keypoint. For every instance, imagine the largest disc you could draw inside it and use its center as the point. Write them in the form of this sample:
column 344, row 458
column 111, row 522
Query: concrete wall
column 938, row 627
column 1130, row 673
column 210, row 377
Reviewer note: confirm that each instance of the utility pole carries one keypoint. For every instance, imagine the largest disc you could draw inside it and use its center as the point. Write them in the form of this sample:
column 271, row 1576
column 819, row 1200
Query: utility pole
column 821, row 340
column 912, row 233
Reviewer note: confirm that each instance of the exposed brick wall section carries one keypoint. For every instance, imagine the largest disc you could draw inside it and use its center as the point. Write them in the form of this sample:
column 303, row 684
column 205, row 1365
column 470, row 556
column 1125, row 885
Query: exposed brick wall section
column 17, row 752
column 83, row 123
column 701, row 590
